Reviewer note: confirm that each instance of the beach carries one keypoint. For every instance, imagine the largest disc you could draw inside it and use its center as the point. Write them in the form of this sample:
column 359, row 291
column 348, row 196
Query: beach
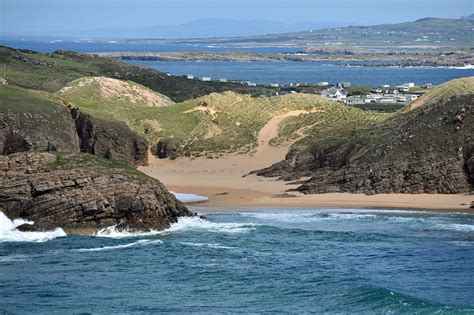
column 222, row 181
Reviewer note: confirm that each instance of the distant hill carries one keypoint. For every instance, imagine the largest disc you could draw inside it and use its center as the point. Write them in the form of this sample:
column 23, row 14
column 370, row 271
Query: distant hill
column 422, row 32
column 204, row 28
column 468, row 17
column 51, row 72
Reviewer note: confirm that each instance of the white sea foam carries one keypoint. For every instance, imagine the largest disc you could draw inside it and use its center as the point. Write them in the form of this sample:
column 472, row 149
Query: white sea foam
column 196, row 223
column 209, row 245
column 121, row 246
column 465, row 67
column 14, row 258
column 9, row 233
column 302, row 217
column 188, row 198
column 113, row 232
column 457, row 227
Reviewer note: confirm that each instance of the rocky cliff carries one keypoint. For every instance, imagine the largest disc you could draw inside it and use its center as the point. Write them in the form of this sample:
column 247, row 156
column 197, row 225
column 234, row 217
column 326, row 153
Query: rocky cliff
column 82, row 193
column 29, row 121
column 428, row 149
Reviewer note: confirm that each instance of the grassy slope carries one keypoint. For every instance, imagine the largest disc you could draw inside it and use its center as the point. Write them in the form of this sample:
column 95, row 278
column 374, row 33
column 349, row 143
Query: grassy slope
column 232, row 122
column 408, row 130
column 51, row 72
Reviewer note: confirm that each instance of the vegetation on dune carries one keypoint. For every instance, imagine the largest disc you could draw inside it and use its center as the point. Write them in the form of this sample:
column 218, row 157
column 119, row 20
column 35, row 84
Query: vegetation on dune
column 227, row 122
column 427, row 148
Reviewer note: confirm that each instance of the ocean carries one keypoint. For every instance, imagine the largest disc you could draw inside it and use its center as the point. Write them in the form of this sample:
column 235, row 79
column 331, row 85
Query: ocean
column 258, row 72
column 267, row 260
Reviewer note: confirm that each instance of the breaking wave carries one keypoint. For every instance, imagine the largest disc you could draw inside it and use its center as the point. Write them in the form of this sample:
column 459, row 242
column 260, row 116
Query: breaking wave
column 457, row 227
column 9, row 233
column 113, row 232
column 208, row 245
column 196, row 223
column 121, row 246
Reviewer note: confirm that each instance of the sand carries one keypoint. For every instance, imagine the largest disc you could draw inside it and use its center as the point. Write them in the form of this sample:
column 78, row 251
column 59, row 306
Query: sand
column 223, row 181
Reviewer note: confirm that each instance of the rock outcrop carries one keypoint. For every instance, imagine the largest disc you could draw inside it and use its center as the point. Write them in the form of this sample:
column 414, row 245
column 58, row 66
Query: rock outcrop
column 429, row 149
column 82, row 193
column 109, row 139
column 31, row 123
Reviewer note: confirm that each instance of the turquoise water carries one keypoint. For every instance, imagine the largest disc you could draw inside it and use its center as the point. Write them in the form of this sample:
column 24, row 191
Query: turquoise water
column 275, row 261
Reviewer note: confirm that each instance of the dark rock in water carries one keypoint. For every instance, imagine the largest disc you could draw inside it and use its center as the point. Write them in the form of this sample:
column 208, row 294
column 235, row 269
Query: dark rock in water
column 413, row 152
column 80, row 192
column 28, row 228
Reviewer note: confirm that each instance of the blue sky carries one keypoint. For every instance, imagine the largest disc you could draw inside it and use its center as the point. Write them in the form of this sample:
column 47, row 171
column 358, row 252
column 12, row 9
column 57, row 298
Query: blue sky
column 45, row 15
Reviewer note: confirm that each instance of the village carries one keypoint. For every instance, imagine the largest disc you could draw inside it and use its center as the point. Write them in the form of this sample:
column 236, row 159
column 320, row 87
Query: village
column 384, row 94
column 342, row 92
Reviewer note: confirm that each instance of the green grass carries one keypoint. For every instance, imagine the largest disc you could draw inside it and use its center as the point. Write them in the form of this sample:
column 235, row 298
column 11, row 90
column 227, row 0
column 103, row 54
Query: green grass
column 231, row 125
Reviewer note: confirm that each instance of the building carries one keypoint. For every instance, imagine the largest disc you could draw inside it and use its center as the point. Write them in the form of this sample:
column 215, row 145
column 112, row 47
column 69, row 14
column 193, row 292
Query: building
column 377, row 90
column 408, row 97
column 274, row 85
column 373, row 98
column 337, row 93
column 205, row 79
column 427, row 86
column 345, row 84
column 322, row 83
column 409, row 85
column 189, row 77
column 223, row 80
column 354, row 100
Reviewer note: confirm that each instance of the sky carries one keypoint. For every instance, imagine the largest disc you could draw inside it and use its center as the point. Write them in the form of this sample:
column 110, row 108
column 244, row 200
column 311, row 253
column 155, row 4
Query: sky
column 73, row 15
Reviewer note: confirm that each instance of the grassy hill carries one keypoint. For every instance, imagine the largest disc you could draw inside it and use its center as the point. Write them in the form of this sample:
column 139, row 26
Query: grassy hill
column 220, row 123
column 51, row 72
column 425, row 148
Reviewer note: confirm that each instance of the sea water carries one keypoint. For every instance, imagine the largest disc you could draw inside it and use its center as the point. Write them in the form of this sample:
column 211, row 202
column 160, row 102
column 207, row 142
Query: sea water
column 264, row 260
column 309, row 72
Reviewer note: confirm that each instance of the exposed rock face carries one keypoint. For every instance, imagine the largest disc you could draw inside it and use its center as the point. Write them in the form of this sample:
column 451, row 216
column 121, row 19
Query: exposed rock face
column 30, row 123
column 51, row 129
column 167, row 148
column 113, row 140
column 427, row 150
column 79, row 192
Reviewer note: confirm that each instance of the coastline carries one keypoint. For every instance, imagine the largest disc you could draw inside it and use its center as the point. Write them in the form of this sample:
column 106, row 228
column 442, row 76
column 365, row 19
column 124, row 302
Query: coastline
column 223, row 182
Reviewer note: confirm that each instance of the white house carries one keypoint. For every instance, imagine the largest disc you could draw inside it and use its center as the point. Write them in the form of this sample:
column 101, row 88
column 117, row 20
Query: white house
column 373, row 98
column 189, row 77
column 323, row 83
column 223, row 80
column 337, row 93
column 354, row 100
column 274, row 85
column 205, row 79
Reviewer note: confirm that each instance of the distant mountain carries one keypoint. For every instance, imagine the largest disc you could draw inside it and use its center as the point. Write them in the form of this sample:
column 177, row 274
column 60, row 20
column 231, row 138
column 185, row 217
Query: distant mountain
column 428, row 32
column 468, row 17
column 206, row 28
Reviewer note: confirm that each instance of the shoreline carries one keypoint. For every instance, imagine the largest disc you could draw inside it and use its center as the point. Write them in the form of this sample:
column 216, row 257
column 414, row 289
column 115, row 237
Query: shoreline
column 245, row 200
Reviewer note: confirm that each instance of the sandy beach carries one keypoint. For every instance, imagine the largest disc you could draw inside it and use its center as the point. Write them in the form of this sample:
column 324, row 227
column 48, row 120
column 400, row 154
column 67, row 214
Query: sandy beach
column 223, row 182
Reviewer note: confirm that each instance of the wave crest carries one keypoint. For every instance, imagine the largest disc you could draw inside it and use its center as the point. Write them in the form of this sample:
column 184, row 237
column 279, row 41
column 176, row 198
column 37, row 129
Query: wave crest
column 9, row 233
